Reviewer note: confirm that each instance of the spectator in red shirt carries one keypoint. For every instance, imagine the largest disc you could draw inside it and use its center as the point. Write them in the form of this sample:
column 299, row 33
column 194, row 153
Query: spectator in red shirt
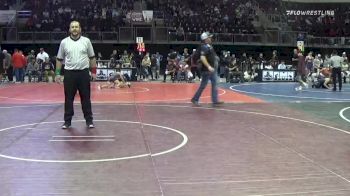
column 19, row 62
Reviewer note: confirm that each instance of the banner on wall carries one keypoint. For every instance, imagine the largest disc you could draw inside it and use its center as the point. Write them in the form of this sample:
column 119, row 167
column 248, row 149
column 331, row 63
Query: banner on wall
column 147, row 15
column 102, row 74
column 277, row 75
column 144, row 16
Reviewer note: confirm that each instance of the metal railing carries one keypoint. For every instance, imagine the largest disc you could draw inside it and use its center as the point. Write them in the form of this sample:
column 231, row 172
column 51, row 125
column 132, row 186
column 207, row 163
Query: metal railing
column 165, row 35
column 329, row 41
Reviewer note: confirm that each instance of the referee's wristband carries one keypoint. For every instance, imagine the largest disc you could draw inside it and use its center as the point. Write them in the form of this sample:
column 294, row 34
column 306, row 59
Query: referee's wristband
column 93, row 70
column 58, row 72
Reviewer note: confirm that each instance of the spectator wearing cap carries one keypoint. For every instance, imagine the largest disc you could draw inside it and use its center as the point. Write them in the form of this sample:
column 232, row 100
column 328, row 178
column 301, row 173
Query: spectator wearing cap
column 8, row 65
column 31, row 56
column 209, row 63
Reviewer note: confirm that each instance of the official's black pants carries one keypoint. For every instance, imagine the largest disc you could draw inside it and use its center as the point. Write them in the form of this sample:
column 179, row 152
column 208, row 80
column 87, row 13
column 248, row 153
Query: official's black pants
column 77, row 80
column 336, row 73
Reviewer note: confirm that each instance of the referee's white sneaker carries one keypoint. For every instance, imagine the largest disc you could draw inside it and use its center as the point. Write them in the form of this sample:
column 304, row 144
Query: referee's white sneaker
column 90, row 125
column 66, row 125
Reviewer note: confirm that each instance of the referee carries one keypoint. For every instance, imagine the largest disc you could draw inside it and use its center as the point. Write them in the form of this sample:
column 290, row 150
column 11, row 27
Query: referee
column 78, row 55
column 336, row 62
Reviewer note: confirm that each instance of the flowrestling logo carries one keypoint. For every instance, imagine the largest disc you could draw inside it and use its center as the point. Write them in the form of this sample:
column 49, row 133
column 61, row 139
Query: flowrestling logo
column 309, row 12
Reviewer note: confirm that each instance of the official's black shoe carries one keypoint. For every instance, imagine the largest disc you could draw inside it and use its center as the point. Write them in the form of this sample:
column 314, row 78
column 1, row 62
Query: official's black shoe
column 90, row 125
column 66, row 125
column 216, row 104
column 195, row 103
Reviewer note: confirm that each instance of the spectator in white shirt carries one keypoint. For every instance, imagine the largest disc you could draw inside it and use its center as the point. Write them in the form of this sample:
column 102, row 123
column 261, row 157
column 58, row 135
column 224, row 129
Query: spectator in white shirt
column 42, row 55
column 282, row 65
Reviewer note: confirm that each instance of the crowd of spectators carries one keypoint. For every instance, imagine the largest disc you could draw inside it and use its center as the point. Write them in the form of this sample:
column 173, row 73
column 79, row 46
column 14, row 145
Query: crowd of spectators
column 55, row 15
column 108, row 15
column 336, row 25
column 7, row 4
column 319, row 25
column 185, row 16
column 224, row 16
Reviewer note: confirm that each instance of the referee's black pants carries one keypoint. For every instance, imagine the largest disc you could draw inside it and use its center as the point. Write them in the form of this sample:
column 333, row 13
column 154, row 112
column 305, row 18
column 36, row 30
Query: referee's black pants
column 336, row 74
column 77, row 80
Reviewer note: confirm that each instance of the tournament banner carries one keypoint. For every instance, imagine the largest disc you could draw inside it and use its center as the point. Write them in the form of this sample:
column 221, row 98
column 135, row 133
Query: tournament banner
column 277, row 76
column 144, row 16
column 147, row 15
column 102, row 74
column 135, row 16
